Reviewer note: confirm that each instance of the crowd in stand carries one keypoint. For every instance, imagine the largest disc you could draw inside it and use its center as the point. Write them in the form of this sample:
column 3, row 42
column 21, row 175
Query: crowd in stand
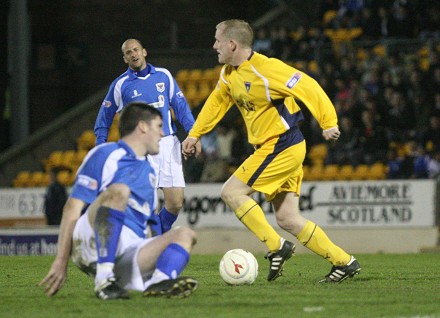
column 387, row 96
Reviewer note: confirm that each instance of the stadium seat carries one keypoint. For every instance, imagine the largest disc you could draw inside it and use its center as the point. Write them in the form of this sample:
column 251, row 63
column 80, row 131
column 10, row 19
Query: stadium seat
column 79, row 156
column 361, row 172
column 209, row 74
column 328, row 16
column 54, row 160
column 330, row 172
column 317, row 153
column 205, row 89
column 65, row 177
column 192, row 95
column 306, row 170
column 195, row 75
column 39, row 179
column 345, row 172
column 313, row 66
column 22, row 179
column 315, row 173
column 380, row 50
column 377, row 171
column 68, row 159
column 87, row 140
column 113, row 134
column 182, row 76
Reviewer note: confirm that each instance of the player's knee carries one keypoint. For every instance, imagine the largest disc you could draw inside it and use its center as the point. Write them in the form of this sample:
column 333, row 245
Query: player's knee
column 184, row 236
column 174, row 206
column 227, row 195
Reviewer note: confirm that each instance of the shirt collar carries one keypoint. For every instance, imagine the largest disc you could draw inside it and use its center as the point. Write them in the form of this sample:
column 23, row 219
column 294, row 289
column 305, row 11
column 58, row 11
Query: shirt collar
column 142, row 73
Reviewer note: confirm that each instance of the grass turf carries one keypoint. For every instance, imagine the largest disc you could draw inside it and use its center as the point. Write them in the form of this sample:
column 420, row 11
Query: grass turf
column 388, row 286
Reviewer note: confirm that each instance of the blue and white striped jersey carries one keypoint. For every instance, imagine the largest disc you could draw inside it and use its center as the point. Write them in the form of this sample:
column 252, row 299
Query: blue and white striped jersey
column 115, row 162
column 155, row 86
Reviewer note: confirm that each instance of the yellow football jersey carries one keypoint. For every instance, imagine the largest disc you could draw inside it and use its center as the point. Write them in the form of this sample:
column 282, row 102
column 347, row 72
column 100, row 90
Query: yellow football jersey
column 264, row 90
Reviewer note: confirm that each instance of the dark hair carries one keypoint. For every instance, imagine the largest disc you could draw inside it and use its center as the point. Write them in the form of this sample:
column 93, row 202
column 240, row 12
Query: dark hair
column 133, row 113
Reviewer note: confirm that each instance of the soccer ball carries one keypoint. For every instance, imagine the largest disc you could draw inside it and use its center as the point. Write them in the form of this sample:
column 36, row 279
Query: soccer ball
column 238, row 267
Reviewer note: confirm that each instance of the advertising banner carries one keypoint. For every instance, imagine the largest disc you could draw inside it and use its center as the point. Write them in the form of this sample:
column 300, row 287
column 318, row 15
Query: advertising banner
column 401, row 203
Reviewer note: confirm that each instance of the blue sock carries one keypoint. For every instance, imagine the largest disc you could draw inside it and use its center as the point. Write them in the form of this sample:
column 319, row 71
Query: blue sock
column 167, row 219
column 173, row 260
column 108, row 226
column 155, row 224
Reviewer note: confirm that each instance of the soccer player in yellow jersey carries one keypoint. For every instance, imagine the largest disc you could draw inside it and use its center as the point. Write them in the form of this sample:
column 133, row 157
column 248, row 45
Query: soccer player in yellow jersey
column 264, row 90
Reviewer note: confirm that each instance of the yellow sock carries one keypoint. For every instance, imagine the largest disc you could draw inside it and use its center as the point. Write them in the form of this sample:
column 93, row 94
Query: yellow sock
column 251, row 215
column 314, row 238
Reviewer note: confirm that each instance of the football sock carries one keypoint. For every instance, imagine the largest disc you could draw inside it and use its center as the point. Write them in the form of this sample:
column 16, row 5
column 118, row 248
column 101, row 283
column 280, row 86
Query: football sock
column 169, row 264
column 108, row 226
column 173, row 260
column 251, row 215
column 167, row 219
column 103, row 271
column 314, row 238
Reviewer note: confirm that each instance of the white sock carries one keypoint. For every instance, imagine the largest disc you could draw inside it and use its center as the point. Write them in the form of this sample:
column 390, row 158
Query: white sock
column 103, row 272
column 157, row 277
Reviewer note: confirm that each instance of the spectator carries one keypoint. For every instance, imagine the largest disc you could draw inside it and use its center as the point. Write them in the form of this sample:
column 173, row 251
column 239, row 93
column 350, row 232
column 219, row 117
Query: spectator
column 55, row 198
column 430, row 23
column 370, row 24
column 434, row 165
column 240, row 147
column 399, row 119
column 430, row 138
column 346, row 150
column 372, row 139
column 384, row 22
column 282, row 44
column 422, row 111
column 262, row 42
column 394, row 164
column 421, row 161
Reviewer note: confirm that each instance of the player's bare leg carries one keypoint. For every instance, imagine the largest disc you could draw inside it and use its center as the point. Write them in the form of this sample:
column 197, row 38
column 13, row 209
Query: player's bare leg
column 289, row 218
column 237, row 195
column 167, row 256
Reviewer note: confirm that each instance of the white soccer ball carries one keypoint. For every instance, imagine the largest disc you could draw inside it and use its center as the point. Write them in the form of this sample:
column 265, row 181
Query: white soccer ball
column 238, row 267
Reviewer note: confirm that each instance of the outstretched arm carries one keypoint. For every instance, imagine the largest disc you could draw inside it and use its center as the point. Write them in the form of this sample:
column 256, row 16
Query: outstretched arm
column 57, row 275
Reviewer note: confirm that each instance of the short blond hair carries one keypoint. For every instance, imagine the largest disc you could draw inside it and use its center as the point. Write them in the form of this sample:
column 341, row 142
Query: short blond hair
column 130, row 40
column 238, row 30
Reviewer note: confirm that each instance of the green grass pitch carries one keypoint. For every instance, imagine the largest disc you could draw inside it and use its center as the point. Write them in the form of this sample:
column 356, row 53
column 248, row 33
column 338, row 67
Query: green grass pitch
column 388, row 286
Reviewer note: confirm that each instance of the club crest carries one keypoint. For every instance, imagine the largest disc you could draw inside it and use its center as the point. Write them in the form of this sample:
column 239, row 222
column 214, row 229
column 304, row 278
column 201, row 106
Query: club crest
column 160, row 87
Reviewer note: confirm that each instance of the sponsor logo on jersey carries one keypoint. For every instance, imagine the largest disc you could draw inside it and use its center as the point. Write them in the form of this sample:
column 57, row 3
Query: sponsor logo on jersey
column 136, row 94
column 87, row 182
column 180, row 94
column 160, row 87
column 106, row 103
column 294, row 80
column 248, row 86
column 160, row 103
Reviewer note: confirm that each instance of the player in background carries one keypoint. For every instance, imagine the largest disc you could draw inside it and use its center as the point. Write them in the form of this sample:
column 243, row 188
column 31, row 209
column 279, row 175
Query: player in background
column 115, row 185
column 157, row 87
column 264, row 90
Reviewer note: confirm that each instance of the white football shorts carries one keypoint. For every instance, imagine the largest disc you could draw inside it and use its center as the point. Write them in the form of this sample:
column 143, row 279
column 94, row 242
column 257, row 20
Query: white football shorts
column 168, row 163
column 126, row 269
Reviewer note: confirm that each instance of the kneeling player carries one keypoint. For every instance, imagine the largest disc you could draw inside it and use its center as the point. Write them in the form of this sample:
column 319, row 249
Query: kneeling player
column 116, row 186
